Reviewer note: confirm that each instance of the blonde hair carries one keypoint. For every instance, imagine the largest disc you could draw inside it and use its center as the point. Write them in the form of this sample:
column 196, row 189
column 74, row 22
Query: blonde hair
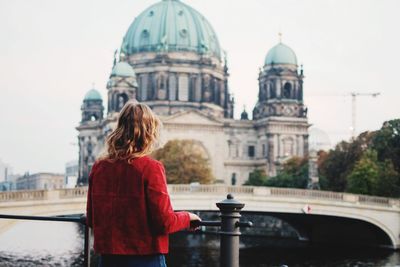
column 136, row 133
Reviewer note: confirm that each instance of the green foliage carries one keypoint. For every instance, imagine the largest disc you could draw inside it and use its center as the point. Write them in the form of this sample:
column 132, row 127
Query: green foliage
column 257, row 178
column 364, row 177
column 338, row 163
column 370, row 164
column 294, row 174
column 185, row 162
column 389, row 180
column 387, row 143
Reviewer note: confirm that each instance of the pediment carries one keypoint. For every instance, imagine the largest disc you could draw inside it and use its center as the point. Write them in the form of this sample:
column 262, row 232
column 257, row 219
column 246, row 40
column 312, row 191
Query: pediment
column 193, row 117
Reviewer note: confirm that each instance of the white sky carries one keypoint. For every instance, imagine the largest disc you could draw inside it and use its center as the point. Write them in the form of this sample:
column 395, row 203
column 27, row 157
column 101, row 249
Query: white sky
column 51, row 51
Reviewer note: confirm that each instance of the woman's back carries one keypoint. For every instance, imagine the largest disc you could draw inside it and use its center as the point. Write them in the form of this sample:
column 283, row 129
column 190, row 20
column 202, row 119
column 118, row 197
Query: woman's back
column 130, row 209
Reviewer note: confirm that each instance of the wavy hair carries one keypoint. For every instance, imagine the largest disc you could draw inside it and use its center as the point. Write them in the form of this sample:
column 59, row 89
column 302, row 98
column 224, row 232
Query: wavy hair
column 136, row 133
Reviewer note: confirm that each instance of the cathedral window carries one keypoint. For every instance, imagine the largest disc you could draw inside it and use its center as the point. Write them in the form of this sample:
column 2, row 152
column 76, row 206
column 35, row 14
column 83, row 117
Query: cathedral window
column 93, row 117
column 251, row 151
column 287, row 90
column 183, row 87
column 172, row 88
column 121, row 100
column 143, row 88
column 271, row 90
column 233, row 179
column 288, row 147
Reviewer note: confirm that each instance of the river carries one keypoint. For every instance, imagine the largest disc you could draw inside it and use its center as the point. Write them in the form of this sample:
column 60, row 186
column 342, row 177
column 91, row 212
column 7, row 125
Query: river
column 61, row 244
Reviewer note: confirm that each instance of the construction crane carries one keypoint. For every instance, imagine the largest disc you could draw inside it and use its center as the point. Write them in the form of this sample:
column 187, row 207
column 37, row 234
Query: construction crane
column 354, row 96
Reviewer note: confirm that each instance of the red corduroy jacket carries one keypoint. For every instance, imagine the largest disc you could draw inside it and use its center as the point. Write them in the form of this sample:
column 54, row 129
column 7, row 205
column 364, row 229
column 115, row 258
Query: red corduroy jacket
column 129, row 208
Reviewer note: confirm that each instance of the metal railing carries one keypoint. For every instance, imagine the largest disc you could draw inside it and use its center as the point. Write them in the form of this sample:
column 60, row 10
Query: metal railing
column 229, row 229
column 81, row 220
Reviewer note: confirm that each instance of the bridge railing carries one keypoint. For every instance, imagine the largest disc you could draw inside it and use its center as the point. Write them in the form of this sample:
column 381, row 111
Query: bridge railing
column 176, row 189
column 22, row 195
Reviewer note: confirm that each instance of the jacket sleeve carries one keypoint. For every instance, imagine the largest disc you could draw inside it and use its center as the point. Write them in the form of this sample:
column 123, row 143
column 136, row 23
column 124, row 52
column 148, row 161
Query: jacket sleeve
column 162, row 217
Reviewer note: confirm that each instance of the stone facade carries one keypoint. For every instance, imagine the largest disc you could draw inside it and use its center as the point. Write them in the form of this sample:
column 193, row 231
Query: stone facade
column 188, row 88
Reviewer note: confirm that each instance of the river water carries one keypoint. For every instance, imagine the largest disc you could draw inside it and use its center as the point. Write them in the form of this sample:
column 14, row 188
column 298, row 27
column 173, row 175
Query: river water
column 61, row 244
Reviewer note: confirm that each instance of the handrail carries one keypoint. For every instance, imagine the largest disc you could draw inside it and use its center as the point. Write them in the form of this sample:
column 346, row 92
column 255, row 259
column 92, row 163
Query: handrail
column 81, row 220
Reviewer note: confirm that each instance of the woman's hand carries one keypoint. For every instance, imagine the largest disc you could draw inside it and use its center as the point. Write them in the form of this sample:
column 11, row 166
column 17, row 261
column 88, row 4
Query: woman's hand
column 194, row 221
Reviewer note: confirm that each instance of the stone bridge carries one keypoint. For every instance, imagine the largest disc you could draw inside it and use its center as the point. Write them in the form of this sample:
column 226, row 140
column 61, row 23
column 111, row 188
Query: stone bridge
column 317, row 216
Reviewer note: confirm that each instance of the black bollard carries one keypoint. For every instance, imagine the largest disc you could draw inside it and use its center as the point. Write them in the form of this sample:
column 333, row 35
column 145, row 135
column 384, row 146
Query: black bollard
column 230, row 216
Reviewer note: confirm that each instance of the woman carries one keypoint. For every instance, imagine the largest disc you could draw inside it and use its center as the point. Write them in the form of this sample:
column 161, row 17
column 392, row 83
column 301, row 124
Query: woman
column 128, row 205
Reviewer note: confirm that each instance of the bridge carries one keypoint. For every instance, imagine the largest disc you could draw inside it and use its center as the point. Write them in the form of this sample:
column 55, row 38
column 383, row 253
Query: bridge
column 317, row 216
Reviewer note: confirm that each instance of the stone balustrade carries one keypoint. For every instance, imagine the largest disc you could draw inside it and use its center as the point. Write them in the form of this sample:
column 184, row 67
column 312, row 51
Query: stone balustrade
column 22, row 195
column 220, row 190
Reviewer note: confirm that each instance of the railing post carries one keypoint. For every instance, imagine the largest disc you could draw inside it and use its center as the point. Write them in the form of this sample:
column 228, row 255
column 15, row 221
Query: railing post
column 230, row 215
column 86, row 255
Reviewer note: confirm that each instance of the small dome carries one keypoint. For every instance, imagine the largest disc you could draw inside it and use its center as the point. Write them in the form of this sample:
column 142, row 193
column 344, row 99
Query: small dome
column 92, row 94
column 171, row 25
column 281, row 54
column 318, row 140
column 123, row 69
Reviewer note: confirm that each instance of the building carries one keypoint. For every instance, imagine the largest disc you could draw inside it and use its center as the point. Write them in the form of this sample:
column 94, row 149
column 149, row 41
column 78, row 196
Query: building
column 71, row 174
column 40, row 181
column 5, row 171
column 171, row 60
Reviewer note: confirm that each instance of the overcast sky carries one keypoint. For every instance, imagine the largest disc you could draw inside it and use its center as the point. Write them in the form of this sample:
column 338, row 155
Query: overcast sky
column 51, row 51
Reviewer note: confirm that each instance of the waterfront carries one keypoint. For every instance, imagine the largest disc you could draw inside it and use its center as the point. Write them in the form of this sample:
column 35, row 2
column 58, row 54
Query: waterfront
column 61, row 244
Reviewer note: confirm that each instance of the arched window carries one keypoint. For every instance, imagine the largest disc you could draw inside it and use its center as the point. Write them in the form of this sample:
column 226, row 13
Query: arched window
column 233, row 179
column 271, row 90
column 121, row 100
column 287, row 90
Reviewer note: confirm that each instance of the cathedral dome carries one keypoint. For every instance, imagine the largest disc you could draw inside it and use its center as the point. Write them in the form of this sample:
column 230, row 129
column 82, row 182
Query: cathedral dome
column 318, row 139
column 92, row 94
column 123, row 69
column 171, row 25
column 281, row 54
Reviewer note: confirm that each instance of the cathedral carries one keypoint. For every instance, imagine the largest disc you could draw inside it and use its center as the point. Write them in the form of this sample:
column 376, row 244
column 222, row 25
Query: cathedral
column 171, row 60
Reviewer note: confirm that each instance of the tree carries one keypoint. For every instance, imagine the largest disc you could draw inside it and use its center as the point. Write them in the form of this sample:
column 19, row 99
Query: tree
column 364, row 177
column 389, row 180
column 185, row 162
column 335, row 167
column 257, row 178
column 387, row 143
column 294, row 174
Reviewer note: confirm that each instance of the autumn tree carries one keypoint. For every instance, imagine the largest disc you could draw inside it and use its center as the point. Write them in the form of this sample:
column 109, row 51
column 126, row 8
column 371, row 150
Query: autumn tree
column 185, row 162
column 335, row 166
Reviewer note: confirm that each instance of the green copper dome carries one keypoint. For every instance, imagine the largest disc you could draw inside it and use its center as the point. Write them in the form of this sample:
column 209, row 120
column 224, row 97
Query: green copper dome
column 281, row 54
column 123, row 69
column 92, row 94
column 171, row 25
